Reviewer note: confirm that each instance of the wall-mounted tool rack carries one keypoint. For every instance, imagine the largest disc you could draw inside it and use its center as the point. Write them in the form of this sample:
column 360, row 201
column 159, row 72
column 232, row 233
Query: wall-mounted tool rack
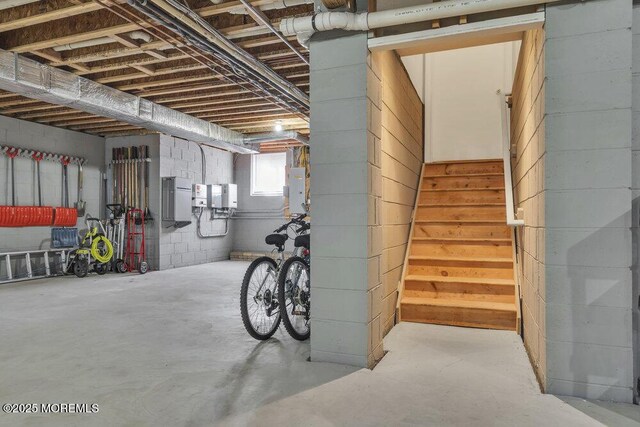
column 29, row 154
column 39, row 216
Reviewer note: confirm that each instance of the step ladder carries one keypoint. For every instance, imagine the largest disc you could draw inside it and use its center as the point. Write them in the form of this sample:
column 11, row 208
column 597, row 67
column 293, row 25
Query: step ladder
column 28, row 272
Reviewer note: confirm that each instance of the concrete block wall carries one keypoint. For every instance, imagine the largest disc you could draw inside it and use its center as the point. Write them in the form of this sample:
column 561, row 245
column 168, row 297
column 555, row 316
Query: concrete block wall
column 398, row 151
column 170, row 247
column 587, row 186
column 635, row 191
column 30, row 135
column 182, row 247
column 347, row 237
column 257, row 216
column 527, row 139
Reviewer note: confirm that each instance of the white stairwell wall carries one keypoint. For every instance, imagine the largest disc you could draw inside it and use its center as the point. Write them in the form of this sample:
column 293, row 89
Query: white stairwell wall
column 458, row 88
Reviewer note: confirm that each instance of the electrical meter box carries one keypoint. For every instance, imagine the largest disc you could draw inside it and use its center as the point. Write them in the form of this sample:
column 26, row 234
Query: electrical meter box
column 297, row 190
column 229, row 196
column 199, row 196
column 214, row 196
column 176, row 200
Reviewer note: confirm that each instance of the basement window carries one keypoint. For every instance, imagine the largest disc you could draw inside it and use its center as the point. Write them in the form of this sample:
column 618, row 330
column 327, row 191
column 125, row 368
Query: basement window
column 268, row 174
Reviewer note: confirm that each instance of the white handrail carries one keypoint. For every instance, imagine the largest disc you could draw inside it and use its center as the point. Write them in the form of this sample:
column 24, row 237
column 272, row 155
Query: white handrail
column 506, row 159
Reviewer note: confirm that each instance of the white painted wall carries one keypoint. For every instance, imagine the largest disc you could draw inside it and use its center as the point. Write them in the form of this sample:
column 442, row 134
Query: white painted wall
column 458, row 88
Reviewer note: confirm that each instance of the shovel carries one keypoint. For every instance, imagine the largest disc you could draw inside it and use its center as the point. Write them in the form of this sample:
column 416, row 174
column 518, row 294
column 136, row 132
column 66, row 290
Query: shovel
column 80, row 205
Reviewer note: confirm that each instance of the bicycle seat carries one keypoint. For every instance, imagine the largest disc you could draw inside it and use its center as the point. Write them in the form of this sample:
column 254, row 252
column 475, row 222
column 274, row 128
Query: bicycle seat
column 303, row 241
column 276, row 239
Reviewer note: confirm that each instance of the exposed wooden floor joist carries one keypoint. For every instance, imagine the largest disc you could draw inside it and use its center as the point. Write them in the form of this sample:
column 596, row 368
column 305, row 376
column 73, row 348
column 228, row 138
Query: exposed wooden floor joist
column 158, row 69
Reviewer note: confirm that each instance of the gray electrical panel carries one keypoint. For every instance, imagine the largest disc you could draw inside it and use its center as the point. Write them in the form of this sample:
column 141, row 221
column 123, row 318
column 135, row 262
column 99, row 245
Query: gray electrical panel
column 214, row 196
column 229, row 196
column 176, row 200
column 297, row 190
column 199, row 196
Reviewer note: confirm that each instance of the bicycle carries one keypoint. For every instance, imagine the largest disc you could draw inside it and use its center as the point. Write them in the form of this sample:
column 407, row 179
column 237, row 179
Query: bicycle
column 258, row 295
column 294, row 288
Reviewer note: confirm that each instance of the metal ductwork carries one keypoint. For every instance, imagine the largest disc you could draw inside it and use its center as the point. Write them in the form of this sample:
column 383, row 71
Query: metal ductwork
column 275, row 137
column 29, row 78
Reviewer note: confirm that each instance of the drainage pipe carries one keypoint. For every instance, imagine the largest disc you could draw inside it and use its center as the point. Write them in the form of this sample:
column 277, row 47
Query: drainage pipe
column 304, row 27
column 275, row 137
column 85, row 43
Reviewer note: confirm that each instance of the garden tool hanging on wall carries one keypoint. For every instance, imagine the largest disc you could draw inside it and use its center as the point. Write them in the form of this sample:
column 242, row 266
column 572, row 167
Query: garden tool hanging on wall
column 80, row 204
column 65, row 216
column 12, row 153
column 147, row 212
column 65, row 182
column 37, row 157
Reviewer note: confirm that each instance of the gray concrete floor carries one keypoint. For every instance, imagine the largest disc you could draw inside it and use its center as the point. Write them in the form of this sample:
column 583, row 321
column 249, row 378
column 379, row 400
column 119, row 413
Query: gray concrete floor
column 169, row 349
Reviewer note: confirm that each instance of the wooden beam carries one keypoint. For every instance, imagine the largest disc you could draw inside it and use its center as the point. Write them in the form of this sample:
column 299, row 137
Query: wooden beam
column 73, row 38
column 148, row 70
column 53, row 15
column 54, row 56
column 156, row 54
column 125, row 41
column 182, row 80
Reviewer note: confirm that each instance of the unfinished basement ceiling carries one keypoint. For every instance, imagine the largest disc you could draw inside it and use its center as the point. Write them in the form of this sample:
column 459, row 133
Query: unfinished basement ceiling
column 100, row 41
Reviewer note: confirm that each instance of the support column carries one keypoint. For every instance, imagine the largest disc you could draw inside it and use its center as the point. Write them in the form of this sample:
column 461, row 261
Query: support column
column 587, row 215
column 345, row 189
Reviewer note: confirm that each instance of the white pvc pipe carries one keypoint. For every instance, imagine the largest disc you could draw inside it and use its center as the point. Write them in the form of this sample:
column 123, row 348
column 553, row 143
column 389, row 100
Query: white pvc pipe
column 305, row 26
column 85, row 43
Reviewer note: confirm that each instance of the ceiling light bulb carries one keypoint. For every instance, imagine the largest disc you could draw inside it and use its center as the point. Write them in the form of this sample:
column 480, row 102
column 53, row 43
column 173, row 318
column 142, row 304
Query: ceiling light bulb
column 278, row 126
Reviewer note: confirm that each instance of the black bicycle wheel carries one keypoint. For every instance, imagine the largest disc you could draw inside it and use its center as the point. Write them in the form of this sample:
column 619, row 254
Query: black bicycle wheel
column 294, row 294
column 258, row 300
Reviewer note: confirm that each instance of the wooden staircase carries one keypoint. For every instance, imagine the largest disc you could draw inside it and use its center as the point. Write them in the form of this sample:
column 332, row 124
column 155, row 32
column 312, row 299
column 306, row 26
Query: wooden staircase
column 459, row 268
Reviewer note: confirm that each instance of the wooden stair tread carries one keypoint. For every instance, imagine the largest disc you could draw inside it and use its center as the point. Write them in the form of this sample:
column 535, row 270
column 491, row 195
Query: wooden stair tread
column 470, row 175
column 460, row 303
column 425, row 190
column 461, row 221
column 463, row 162
column 459, row 205
column 462, row 240
column 450, row 279
column 459, row 259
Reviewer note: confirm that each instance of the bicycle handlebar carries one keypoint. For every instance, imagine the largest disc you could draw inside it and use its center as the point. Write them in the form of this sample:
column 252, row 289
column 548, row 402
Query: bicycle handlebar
column 304, row 227
column 296, row 220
